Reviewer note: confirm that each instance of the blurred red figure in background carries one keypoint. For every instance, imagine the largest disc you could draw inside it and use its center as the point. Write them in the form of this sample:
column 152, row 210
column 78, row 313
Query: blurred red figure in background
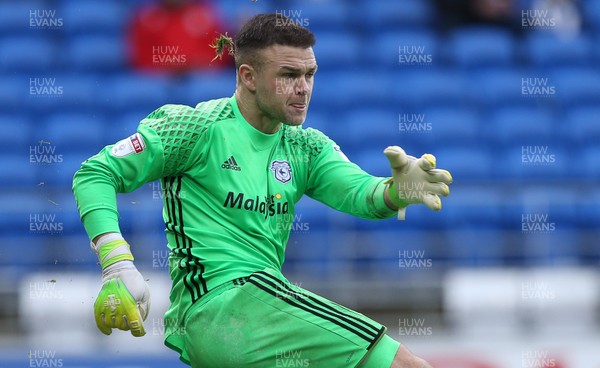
column 174, row 36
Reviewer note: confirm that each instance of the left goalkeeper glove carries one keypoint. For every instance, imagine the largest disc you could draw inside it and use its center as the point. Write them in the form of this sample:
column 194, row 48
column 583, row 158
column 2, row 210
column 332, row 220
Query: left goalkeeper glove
column 415, row 180
column 124, row 300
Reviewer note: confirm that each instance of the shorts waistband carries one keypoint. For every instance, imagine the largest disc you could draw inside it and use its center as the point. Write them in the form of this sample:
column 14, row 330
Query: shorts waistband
column 218, row 290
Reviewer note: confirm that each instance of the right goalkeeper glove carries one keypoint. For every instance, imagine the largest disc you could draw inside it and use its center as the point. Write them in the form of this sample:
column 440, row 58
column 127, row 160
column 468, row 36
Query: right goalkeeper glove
column 415, row 180
column 124, row 300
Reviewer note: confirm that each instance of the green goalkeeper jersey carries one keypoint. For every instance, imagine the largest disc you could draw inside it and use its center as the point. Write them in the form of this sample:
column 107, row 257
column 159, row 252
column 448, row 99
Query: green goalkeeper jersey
column 229, row 191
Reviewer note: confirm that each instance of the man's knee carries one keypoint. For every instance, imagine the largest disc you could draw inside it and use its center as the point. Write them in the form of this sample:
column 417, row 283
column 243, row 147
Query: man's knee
column 405, row 359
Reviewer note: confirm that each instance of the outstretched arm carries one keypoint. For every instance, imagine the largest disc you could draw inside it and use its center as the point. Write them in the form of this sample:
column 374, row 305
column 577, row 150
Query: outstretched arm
column 342, row 185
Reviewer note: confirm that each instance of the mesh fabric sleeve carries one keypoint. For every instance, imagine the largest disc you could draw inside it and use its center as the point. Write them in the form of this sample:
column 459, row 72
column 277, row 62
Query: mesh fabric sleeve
column 162, row 146
column 341, row 184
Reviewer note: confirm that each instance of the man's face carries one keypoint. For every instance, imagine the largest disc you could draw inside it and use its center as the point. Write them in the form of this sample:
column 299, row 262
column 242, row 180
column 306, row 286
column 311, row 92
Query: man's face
column 284, row 82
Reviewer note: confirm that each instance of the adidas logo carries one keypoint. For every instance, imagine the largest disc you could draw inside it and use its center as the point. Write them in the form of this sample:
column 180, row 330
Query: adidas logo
column 231, row 164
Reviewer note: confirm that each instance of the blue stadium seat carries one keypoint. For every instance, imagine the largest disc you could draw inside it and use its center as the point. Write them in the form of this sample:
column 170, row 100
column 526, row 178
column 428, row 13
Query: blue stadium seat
column 439, row 125
column 590, row 165
column 392, row 253
column 420, row 89
column 497, row 87
column 73, row 253
column 405, row 49
column 66, row 209
column 591, row 13
column 364, row 127
column 60, row 175
column 78, row 93
column 14, row 93
column 74, row 132
column 20, row 207
column 561, row 247
column 321, row 120
column 588, row 211
column 122, row 126
column 480, row 46
column 127, row 92
column 526, row 125
column 140, row 212
column 17, row 169
column 15, row 17
column 472, row 206
column 308, row 254
column 475, row 247
column 545, row 49
column 95, row 53
column 336, row 91
column 88, row 16
column 576, row 86
column 542, row 203
column 381, row 15
column 203, row 86
column 581, row 125
column 546, row 216
column 16, row 133
column 319, row 16
column 335, row 50
column 372, row 160
column 27, row 54
column 466, row 163
column 533, row 162
column 310, row 216
column 235, row 13
column 36, row 252
column 562, row 204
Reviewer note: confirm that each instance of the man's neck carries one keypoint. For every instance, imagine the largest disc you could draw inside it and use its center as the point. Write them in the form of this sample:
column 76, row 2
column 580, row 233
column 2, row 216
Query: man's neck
column 254, row 116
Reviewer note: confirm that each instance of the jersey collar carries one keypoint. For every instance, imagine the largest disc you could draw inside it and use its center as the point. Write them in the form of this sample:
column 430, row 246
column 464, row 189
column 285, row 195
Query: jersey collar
column 260, row 140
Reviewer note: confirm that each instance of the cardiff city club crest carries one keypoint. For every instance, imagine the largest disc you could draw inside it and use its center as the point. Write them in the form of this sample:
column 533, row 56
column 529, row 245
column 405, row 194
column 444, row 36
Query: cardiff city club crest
column 282, row 171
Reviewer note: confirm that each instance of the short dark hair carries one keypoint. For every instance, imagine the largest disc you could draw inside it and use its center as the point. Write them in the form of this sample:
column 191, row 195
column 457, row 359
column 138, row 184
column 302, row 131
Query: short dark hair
column 264, row 30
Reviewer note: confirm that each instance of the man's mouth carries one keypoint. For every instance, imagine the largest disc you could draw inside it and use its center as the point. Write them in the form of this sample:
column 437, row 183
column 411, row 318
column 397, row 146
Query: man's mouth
column 298, row 105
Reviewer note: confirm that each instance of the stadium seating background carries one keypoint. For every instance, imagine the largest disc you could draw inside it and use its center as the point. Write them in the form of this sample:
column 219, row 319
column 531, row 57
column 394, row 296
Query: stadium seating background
column 469, row 95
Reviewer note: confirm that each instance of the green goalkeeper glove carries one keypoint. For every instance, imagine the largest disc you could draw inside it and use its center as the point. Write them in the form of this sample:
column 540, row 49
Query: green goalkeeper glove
column 415, row 180
column 124, row 300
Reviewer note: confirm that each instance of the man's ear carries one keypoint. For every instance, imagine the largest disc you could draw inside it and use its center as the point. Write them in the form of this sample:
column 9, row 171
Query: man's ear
column 247, row 76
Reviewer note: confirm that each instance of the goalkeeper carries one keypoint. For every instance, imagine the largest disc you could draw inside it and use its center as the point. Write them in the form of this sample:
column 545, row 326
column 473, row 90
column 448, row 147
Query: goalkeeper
column 232, row 170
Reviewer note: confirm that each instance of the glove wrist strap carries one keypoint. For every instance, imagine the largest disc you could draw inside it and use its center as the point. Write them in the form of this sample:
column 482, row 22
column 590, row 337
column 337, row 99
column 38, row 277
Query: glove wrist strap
column 393, row 193
column 112, row 248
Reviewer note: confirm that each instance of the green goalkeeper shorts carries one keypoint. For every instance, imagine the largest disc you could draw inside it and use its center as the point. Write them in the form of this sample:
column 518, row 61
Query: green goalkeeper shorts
column 264, row 321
